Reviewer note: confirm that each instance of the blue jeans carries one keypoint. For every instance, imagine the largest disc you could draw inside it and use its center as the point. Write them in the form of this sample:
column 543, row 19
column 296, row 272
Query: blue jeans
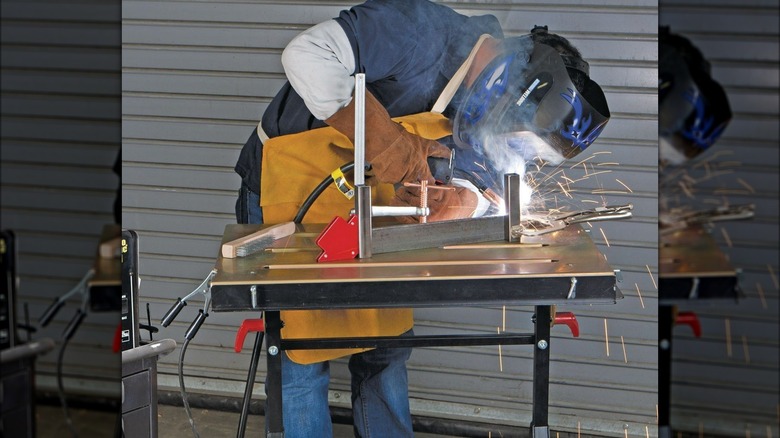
column 380, row 387
column 380, row 398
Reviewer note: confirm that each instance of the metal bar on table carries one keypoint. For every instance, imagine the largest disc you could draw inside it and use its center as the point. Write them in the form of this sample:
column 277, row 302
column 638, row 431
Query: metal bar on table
column 360, row 129
column 365, row 223
column 512, row 202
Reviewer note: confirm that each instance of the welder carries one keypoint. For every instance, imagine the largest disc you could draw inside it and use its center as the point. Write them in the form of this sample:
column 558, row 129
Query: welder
column 436, row 81
column 693, row 109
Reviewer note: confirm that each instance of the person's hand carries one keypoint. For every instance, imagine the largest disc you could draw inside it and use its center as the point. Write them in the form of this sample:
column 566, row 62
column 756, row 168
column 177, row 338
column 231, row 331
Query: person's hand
column 395, row 154
column 444, row 205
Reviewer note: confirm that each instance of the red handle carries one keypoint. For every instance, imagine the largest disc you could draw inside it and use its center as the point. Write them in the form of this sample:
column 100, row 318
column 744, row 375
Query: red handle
column 570, row 320
column 689, row 318
column 249, row 325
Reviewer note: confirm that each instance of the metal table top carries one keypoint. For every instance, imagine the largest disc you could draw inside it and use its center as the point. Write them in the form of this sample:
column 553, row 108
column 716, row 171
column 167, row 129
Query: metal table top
column 539, row 270
column 692, row 266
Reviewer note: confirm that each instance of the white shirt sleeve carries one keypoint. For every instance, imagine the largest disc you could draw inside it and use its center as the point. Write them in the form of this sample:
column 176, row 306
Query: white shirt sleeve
column 319, row 64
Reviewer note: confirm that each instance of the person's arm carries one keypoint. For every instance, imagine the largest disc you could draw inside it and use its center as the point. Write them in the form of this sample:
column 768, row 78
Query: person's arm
column 319, row 64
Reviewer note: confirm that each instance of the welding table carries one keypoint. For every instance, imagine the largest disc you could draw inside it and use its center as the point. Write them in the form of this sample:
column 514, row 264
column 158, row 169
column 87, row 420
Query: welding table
column 692, row 267
column 563, row 267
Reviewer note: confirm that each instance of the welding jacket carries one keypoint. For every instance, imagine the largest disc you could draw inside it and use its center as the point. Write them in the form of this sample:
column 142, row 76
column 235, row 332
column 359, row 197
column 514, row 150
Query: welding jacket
column 411, row 51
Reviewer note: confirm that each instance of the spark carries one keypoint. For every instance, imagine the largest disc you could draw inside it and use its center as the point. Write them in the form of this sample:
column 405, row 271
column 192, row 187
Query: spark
column 605, row 236
column 761, row 295
column 606, row 336
column 578, row 429
column 686, row 189
column 503, row 317
column 608, row 192
column 747, row 431
column 590, row 200
column 500, row 357
column 726, row 236
column 656, row 413
column 625, row 432
column 623, row 343
column 745, row 349
column 774, row 277
column 564, row 190
column 622, row 184
column 651, row 276
column 641, row 301
column 746, row 185
column 769, row 432
column 647, row 432
column 728, row 337
column 588, row 158
column 608, row 164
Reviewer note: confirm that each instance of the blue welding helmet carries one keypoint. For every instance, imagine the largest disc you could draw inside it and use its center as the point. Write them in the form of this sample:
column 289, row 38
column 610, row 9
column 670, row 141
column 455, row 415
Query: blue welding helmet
column 525, row 98
column 693, row 109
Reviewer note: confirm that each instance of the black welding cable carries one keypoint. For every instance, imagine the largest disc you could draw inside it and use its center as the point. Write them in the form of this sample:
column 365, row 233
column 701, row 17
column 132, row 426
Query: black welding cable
column 318, row 191
column 61, row 388
column 183, row 391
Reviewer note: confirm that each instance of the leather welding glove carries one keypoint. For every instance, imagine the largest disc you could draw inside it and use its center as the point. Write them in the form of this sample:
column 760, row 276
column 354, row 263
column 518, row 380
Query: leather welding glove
column 395, row 154
column 445, row 205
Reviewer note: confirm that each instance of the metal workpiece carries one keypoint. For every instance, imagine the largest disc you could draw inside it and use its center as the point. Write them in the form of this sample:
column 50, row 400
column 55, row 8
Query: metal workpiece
column 512, row 204
column 693, row 266
column 359, row 172
column 536, row 224
column 365, row 223
column 395, row 211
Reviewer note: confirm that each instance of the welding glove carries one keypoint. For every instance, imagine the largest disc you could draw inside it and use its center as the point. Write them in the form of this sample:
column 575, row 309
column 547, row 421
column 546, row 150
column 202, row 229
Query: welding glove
column 395, row 154
column 445, row 205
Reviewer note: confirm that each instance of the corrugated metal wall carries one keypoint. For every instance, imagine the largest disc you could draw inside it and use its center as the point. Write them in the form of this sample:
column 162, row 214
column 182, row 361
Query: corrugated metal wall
column 197, row 76
column 60, row 137
column 727, row 381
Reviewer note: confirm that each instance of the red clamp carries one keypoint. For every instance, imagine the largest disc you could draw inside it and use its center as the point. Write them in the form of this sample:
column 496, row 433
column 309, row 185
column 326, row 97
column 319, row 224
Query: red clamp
column 339, row 240
column 249, row 325
column 570, row 320
column 689, row 318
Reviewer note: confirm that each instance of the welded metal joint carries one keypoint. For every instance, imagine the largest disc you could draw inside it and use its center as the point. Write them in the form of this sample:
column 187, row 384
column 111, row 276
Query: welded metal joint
column 572, row 289
column 694, row 293
column 253, row 294
column 512, row 204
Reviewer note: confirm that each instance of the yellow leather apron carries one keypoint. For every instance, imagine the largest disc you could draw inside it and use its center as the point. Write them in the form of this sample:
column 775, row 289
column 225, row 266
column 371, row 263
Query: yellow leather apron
column 293, row 165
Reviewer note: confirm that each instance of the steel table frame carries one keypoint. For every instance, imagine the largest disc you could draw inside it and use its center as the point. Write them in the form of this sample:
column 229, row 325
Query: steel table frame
column 578, row 275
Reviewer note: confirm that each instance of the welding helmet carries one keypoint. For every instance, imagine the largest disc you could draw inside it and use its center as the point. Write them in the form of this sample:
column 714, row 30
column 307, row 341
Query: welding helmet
column 693, row 109
column 525, row 96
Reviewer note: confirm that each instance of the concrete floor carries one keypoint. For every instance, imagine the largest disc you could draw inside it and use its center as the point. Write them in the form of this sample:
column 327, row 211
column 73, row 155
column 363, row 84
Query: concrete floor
column 172, row 423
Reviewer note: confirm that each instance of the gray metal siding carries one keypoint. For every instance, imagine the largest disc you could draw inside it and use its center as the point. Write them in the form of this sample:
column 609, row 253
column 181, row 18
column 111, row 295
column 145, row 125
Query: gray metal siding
column 726, row 382
column 60, row 137
column 197, row 76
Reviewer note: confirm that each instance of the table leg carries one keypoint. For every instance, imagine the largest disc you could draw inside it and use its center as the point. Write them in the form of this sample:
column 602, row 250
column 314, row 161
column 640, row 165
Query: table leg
column 250, row 383
column 273, row 414
column 665, row 327
column 539, row 426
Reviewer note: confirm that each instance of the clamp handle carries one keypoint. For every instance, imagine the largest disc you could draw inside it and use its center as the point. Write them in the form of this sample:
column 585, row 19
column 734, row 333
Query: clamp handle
column 170, row 315
column 570, row 320
column 51, row 311
column 690, row 319
column 248, row 325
